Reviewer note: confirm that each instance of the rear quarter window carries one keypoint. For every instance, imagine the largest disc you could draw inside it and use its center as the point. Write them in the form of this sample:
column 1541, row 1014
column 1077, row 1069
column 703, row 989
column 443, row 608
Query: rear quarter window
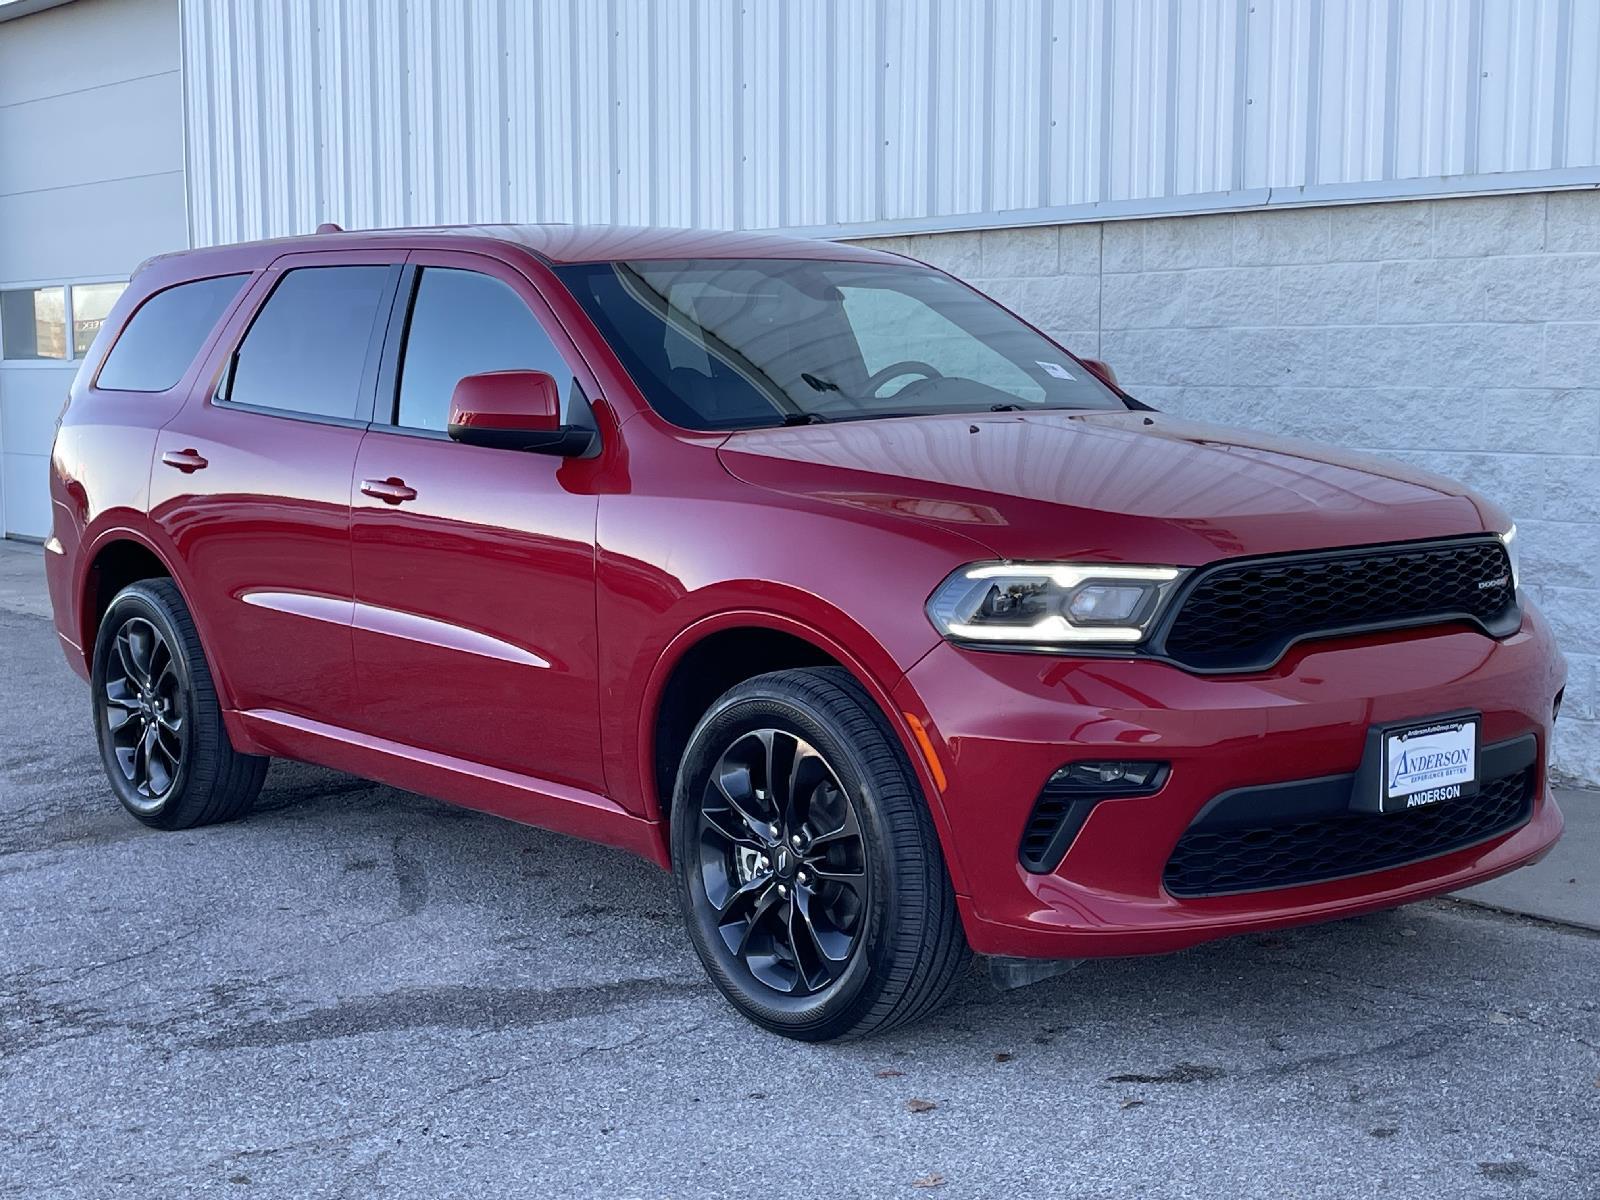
column 164, row 335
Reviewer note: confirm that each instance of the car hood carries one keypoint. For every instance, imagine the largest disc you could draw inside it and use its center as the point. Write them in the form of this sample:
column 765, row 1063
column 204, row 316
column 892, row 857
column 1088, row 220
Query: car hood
column 1115, row 486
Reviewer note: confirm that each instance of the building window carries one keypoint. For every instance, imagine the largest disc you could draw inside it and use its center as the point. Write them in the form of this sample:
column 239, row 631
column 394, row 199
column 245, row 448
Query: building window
column 90, row 304
column 35, row 321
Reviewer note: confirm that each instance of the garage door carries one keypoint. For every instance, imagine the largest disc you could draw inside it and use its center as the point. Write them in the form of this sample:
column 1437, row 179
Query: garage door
column 91, row 184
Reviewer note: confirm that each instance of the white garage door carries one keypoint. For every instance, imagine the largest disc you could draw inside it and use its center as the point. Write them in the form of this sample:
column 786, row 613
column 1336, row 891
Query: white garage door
column 91, row 184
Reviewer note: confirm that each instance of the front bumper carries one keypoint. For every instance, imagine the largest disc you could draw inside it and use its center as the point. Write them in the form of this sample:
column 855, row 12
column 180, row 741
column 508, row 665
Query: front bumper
column 1001, row 723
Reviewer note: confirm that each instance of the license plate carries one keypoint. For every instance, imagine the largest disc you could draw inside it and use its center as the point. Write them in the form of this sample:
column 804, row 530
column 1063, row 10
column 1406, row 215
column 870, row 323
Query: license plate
column 1429, row 763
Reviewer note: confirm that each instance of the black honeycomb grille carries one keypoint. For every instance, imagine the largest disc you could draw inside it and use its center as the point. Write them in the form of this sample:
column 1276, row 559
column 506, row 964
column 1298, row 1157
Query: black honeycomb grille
column 1251, row 858
column 1040, row 834
column 1245, row 614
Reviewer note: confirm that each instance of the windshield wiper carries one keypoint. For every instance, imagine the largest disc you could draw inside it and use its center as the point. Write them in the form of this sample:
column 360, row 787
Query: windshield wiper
column 883, row 416
column 804, row 418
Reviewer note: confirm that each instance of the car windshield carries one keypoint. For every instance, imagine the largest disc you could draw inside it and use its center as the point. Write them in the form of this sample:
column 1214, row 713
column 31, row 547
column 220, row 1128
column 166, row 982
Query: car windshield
column 743, row 343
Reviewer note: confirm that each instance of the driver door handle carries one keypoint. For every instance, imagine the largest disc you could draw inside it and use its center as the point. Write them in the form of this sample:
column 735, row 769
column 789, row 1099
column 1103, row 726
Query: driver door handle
column 188, row 461
column 392, row 490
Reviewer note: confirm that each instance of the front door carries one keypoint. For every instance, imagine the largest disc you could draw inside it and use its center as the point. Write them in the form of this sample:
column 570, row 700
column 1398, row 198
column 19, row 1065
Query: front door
column 474, row 567
column 251, row 480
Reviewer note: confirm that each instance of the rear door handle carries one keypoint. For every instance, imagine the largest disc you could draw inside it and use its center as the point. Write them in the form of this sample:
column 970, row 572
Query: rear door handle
column 187, row 461
column 391, row 490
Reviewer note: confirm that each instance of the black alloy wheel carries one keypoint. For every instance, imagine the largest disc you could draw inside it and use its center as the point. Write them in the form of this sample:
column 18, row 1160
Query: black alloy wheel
column 782, row 861
column 159, row 725
column 143, row 712
column 811, row 879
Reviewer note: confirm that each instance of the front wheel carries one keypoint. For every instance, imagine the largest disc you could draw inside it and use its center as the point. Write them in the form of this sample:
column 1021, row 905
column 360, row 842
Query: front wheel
column 806, row 863
column 156, row 715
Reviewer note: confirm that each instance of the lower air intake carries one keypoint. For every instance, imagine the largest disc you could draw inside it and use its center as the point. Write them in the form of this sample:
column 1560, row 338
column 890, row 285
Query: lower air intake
column 1213, row 860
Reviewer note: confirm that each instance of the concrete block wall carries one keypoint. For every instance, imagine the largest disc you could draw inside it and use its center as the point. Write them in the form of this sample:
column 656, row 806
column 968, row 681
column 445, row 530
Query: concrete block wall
column 1462, row 335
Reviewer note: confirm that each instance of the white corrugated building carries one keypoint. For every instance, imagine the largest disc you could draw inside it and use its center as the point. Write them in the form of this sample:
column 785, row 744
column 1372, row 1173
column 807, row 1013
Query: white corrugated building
column 1367, row 221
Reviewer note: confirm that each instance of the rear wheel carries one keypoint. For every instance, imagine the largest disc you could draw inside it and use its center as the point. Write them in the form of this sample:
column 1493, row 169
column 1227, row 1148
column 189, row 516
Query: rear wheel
column 807, row 865
column 156, row 716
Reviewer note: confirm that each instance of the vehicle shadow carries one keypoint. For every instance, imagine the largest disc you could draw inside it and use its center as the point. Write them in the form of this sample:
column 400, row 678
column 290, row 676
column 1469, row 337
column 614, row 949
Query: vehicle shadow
column 1286, row 999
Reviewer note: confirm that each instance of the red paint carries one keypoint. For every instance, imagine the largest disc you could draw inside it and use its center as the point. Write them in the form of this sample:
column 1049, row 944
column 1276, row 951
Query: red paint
column 496, row 628
column 1019, row 716
column 507, row 400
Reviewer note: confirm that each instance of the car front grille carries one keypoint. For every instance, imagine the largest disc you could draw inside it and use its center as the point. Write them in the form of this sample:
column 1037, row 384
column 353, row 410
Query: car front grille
column 1218, row 856
column 1244, row 614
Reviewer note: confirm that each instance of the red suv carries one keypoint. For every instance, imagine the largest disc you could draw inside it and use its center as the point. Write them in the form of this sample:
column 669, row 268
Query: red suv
column 894, row 629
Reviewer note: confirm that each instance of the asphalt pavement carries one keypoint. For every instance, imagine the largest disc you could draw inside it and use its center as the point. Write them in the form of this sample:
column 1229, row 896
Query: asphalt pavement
column 357, row 991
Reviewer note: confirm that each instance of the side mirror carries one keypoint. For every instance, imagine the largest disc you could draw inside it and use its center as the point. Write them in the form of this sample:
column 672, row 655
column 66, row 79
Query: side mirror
column 1107, row 375
column 515, row 410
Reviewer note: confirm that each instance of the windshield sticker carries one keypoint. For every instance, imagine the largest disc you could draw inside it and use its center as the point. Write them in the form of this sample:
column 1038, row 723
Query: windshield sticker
column 1054, row 369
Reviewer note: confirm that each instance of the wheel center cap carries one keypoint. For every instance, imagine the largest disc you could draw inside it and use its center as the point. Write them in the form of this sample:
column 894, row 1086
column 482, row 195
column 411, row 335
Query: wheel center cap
column 785, row 863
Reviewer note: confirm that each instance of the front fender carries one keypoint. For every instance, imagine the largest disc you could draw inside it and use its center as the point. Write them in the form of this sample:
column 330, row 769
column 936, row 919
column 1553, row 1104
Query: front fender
column 841, row 639
column 688, row 550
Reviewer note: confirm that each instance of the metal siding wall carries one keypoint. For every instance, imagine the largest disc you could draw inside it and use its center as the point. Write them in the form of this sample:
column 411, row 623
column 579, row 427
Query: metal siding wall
column 1201, row 99
column 855, row 135
column 1434, row 80
column 1348, row 131
column 1579, row 140
column 1077, row 101
column 853, row 113
column 1518, row 97
column 1013, row 174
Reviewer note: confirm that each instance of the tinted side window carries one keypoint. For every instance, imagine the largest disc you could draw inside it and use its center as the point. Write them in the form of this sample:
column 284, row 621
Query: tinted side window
column 307, row 349
column 464, row 323
column 160, row 341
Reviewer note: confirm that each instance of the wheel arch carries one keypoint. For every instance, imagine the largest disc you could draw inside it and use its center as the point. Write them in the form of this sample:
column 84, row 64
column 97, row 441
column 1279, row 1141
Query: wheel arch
column 115, row 558
column 739, row 645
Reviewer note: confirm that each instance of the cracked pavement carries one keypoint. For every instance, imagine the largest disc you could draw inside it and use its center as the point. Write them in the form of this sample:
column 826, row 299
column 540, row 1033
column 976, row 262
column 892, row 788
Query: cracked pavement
column 358, row 991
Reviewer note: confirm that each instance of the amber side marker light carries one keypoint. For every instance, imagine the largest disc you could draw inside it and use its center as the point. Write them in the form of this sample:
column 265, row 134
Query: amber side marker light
column 919, row 732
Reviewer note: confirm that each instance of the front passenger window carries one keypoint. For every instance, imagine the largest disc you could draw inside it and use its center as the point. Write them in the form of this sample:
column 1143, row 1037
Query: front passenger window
column 464, row 323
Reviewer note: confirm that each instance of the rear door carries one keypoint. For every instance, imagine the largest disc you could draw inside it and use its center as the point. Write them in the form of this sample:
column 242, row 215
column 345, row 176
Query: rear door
column 251, row 480
column 475, row 567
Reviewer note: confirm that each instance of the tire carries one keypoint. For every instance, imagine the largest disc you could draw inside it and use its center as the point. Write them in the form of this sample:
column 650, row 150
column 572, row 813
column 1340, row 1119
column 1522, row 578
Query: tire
column 853, row 929
column 156, row 717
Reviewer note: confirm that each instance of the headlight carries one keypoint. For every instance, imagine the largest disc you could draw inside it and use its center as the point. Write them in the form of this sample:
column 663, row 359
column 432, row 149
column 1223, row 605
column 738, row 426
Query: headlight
column 1033, row 604
column 1509, row 538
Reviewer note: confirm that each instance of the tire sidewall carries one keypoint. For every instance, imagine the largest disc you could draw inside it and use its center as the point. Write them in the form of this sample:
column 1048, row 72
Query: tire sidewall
column 835, row 1010
column 138, row 602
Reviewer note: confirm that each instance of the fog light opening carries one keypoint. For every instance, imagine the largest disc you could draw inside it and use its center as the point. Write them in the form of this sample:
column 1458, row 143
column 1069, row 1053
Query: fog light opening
column 1070, row 795
column 1110, row 777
